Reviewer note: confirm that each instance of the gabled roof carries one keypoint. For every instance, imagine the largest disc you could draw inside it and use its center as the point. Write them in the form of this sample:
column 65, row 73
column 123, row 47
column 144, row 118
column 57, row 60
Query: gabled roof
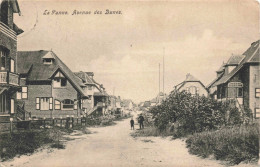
column 31, row 63
column 234, row 60
column 189, row 78
column 251, row 56
column 85, row 78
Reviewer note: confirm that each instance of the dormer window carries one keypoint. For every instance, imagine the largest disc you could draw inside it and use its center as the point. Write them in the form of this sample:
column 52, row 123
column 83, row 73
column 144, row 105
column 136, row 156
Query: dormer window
column 48, row 58
column 47, row 61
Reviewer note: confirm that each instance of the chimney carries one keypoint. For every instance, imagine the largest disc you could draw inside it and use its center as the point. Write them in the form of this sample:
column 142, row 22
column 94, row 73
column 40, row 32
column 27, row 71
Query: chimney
column 187, row 75
column 90, row 74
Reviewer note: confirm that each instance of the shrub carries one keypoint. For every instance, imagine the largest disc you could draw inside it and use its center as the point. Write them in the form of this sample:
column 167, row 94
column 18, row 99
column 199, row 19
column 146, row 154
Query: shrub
column 22, row 143
column 234, row 144
column 194, row 114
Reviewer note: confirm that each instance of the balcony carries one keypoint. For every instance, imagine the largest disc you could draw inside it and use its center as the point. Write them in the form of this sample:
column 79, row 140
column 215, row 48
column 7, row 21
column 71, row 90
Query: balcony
column 9, row 78
column 7, row 31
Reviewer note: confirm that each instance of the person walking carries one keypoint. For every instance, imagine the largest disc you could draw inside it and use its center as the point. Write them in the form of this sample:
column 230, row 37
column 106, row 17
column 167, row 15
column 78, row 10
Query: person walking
column 141, row 121
column 132, row 123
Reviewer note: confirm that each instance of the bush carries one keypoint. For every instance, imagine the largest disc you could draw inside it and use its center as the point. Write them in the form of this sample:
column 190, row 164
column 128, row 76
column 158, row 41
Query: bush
column 233, row 144
column 22, row 143
column 193, row 114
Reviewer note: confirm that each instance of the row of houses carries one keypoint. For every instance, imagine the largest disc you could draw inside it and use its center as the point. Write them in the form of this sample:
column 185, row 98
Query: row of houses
column 238, row 79
column 37, row 84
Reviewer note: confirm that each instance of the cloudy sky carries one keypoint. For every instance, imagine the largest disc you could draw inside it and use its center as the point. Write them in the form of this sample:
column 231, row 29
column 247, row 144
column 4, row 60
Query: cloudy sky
column 124, row 51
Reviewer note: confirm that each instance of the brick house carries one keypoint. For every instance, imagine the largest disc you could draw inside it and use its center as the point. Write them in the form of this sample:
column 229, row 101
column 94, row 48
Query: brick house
column 192, row 85
column 9, row 78
column 97, row 103
column 241, row 82
column 49, row 87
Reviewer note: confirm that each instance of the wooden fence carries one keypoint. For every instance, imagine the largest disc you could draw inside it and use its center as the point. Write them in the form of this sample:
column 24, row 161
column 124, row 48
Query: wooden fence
column 68, row 123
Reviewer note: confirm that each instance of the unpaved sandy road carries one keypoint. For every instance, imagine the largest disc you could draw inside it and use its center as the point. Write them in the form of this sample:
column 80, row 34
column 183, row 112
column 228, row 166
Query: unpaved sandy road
column 114, row 147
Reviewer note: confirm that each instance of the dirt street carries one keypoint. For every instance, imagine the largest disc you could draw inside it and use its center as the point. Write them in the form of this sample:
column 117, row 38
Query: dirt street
column 114, row 147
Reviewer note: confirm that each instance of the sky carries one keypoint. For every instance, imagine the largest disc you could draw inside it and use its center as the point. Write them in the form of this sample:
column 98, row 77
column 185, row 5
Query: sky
column 124, row 50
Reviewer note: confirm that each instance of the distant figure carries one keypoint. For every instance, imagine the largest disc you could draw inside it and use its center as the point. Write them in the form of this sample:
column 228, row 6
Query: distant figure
column 132, row 123
column 141, row 121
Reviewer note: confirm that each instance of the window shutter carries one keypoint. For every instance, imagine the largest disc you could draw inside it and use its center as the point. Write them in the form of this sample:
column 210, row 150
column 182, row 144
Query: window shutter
column 37, row 103
column 51, row 103
column 75, row 105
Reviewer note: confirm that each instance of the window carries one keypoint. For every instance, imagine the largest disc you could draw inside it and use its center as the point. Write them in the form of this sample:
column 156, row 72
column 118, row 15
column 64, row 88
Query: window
column 67, row 104
column 12, row 106
column 257, row 92
column 18, row 95
column 44, row 103
column 192, row 90
column 239, row 92
column 37, row 103
column 11, row 65
column 57, row 105
column 24, row 92
column 59, row 82
column 3, row 56
column 257, row 113
column 75, row 105
column 47, row 61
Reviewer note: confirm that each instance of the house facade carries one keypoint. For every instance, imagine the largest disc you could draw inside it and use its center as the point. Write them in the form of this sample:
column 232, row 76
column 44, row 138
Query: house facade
column 192, row 85
column 9, row 78
column 48, row 87
column 241, row 82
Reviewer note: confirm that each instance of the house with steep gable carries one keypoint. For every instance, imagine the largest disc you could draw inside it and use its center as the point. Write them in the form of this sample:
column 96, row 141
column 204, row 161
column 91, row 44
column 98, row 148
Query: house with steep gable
column 241, row 82
column 192, row 85
column 224, row 70
column 9, row 78
column 49, row 88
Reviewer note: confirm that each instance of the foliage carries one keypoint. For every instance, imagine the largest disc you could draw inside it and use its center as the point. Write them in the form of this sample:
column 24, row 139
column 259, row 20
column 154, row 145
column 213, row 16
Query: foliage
column 232, row 144
column 22, row 142
column 191, row 114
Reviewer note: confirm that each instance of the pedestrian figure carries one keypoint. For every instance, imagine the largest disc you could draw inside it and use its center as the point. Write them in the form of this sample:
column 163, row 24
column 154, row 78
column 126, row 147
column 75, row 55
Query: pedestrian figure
column 141, row 121
column 132, row 123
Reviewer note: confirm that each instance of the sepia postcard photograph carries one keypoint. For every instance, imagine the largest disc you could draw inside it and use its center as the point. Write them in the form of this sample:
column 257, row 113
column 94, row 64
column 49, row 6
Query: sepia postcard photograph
column 127, row 83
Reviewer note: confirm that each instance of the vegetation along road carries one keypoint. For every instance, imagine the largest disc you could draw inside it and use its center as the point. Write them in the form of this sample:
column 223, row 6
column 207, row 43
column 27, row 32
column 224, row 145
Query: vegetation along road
column 113, row 146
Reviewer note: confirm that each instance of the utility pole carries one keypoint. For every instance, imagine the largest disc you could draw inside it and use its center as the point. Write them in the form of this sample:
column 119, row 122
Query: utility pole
column 163, row 70
column 159, row 84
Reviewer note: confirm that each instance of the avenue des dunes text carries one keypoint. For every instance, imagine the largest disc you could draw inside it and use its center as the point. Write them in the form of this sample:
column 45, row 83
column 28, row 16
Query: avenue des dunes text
column 82, row 12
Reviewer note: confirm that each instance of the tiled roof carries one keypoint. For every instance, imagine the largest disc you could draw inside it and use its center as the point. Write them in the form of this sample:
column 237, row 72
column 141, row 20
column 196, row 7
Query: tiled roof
column 86, row 79
column 31, row 63
column 189, row 78
column 251, row 56
column 235, row 60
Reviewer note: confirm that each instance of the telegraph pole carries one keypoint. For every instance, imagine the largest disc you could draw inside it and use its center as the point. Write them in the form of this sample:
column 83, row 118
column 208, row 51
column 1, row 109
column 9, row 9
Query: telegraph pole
column 159, row 84
column 163, row 70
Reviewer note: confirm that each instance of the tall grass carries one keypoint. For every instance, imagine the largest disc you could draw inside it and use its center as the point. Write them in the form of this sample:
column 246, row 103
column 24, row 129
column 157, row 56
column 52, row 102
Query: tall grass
column 151, row 131
column 233, row 144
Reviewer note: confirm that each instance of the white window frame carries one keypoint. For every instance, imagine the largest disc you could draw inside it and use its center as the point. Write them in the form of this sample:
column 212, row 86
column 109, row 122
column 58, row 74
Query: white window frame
column 257, row 92
column 57, row 105
column 12, row 65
